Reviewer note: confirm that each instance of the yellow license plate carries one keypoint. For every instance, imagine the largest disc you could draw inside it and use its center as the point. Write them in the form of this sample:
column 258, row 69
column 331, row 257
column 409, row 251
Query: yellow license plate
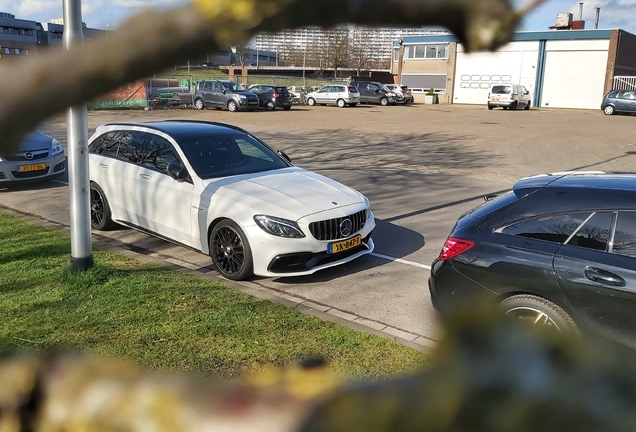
column 32, row 167
column 344, row 245
column 495, row 99
column 253, row 103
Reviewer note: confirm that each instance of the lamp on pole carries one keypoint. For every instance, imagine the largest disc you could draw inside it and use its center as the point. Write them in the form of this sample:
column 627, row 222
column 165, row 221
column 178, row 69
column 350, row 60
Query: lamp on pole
column 77, row 142
column 305, row 59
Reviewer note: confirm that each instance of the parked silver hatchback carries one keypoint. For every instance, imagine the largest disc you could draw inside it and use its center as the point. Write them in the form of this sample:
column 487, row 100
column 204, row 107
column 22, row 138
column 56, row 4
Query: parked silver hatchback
column 38, row 156
column 334, row 94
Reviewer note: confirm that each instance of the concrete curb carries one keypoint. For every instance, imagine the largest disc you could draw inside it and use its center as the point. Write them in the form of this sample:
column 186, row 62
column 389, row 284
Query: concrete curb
column 322, row 311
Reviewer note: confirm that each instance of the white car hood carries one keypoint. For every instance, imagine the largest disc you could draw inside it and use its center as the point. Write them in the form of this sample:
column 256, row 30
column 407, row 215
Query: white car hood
column 290, row 193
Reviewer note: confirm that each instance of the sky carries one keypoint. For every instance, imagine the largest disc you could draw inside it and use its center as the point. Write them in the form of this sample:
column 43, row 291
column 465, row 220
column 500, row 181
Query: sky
column 108, row 14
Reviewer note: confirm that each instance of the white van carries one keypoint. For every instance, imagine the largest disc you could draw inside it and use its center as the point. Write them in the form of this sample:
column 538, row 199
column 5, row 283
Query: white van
column 508, row 96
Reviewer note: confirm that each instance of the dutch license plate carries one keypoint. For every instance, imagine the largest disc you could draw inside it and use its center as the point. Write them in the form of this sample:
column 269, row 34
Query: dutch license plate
column 344, row 245
column 32, row 167
column 253, row 103
column 495, row 99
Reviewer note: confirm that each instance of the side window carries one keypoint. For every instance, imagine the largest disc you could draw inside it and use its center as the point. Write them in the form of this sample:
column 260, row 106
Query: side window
column 207, row 86
column 160, row 153
column 554, row 228
column 626, row 94
column 625, row 235
column 595, row 233
column 373, row 87
column 257, row 89
column 131, row 146
column 612, row 94
column 105, row 145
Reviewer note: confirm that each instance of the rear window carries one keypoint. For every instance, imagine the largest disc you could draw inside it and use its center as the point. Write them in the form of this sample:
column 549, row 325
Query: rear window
column 501, row 89
column 352, row 89
column 487, row 207
column 282, row 90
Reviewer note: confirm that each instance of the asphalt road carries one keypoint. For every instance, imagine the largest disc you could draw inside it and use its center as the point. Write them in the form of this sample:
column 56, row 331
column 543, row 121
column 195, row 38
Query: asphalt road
column 421, row 166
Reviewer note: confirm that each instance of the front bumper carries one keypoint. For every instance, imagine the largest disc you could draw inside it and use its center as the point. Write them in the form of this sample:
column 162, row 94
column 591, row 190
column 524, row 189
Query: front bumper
column 9, row 170
column 276, row 256
column 247, row 104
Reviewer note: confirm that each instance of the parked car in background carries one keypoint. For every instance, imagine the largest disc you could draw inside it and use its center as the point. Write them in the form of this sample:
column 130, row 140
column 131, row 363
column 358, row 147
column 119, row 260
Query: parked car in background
column 272, row 96
column 220, row 190
column 334, row 94
column 558, row 251
column 38, row 156
column 375, row 92
column 619, row 101
column 509, row 96
column 224, row 94
column 403, row 93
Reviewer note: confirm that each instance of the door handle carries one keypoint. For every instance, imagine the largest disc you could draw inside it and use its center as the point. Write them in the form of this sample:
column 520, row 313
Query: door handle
column 146, row 176
column 604, row 277
column 103, row 165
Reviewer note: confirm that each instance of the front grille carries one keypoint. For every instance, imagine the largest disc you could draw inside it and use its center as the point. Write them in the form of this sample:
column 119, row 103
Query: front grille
column 330, row 229
column 29, row 174
column 20, row 157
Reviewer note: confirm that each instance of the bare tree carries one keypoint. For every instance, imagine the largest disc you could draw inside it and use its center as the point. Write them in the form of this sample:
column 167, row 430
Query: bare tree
column 336, row 49
column 361, row 52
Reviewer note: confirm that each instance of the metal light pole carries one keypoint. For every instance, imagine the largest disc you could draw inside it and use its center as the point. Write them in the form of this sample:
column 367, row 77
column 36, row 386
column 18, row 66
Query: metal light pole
column 77, row 143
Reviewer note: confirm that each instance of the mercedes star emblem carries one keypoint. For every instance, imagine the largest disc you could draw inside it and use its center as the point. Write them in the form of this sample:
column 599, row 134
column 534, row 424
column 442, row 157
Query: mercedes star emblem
column 346, row 227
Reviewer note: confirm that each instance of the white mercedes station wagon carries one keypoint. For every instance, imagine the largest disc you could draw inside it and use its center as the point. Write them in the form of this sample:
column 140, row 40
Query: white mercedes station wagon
column 220, row 190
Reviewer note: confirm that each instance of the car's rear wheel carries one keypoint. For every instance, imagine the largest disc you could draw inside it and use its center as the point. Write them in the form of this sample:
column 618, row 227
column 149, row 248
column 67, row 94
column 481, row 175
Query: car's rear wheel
column 230, row 251
column 311, row 101
column 198, row 104
column 271, row 106
column 609, row 110
column 353, row 104
column 341, row 103
column 514, row 105
column 528, row 105
column 490, row 107
column 231, row 106
column 539, row 312
column 286, row 108
column 100, row 210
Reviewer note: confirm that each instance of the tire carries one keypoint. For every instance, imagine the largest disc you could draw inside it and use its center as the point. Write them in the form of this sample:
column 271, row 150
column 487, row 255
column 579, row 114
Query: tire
column 286, row 108
column 100, row 209
column 490, row 107
column 514, row 106
column 384, row 101
column 230, row 251
column 198, row 104
column 232, row 106
column 270, row 106
column 352, row 104
column 539, row 311
column 311, row 101
column 527, row 107
column 609, row 110
column 341, row 103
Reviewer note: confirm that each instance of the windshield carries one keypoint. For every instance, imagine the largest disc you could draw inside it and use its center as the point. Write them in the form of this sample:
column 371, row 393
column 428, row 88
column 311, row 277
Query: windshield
column 233, row 87
column 222, row 156
column 385, row 88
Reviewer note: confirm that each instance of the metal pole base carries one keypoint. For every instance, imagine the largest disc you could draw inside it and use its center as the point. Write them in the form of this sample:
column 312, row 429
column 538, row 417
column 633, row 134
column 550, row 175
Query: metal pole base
column 82, row 264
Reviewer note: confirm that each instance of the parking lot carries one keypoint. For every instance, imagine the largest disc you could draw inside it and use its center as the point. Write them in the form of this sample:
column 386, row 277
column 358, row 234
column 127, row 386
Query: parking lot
column 420, row 165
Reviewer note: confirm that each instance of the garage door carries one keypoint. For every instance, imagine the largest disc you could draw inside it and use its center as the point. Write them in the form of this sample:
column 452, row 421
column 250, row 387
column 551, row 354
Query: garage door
column 574, row 79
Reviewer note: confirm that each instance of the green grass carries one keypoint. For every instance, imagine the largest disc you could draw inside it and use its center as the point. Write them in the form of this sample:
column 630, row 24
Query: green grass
column 163, row 319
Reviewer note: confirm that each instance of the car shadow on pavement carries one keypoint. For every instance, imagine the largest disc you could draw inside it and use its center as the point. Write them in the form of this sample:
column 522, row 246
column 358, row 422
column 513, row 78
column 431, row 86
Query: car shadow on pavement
column 32, row 185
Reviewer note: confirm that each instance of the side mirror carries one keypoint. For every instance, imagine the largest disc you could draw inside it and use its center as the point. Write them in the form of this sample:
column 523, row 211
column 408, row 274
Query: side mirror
column 284, row 155
column 176, row 171
column 377, row 90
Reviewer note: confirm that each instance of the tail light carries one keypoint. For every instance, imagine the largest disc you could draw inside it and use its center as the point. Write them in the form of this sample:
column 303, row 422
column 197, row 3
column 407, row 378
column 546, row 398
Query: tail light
column 512, row 96
column 454, row 247
column 348, row 90
column 488, row 95
column 275, row 95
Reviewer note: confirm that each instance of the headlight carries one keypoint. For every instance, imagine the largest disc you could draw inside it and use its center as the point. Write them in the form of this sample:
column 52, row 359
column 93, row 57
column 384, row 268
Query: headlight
column 278, row 226
column 241, row 96
column 367, row 202
column 56, row 148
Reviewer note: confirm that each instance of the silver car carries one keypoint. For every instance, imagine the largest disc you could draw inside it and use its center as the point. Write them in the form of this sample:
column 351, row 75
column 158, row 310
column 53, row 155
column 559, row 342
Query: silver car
column 334, row 94
column 38, row 156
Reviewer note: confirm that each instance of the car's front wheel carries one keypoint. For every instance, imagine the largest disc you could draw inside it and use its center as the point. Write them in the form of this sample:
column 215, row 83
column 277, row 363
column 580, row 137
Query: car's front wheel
column 353, row 104
column 528, row 105
column 609, row 110
column 100, row 210
column 230, row 251
column 311, row 102
column 198, row 104
column 384, row 101
column 232, row 106
column 539, row 312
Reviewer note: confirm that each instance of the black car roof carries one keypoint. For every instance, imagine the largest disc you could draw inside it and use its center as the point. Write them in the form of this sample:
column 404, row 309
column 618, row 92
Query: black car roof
column 185, row 128
column 589, row 180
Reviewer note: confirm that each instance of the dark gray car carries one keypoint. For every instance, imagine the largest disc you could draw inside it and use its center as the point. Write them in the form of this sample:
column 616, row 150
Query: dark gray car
column 224, row 94
column 375, row 92
column 617, row 101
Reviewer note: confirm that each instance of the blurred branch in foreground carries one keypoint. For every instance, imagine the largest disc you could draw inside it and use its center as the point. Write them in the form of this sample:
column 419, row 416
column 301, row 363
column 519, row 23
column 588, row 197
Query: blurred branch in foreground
column 50, row 82
column 489, row 374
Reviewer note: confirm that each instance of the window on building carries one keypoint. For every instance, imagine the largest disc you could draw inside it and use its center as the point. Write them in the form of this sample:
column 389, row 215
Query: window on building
column 396, row 54
column 425, row 51
column 422, row 83
column 7, row 51
column 17, row 51
column 27, row 52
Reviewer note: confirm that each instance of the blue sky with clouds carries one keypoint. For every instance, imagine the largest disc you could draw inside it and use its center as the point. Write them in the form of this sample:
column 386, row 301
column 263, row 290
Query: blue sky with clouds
column 102, row 13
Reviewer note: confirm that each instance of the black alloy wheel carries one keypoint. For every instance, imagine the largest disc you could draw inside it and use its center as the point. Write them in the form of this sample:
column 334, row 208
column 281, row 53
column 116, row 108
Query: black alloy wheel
column 539, row 312
column 100, row 210
column 230, row 251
